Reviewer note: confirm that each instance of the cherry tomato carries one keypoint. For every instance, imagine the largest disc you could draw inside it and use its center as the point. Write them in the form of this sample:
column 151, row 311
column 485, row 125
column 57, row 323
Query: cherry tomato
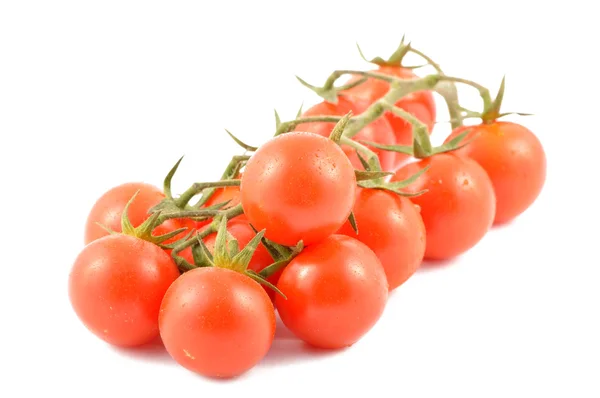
column 336, row 291
column 513, row 158
column 217, row 322
column 379, row 131
column 116, row 286
column 108, row 210
column 221, row 195
column 421, row 104
column 298, row 186
column 458, row 208
column 241, row 230
column 393, row 228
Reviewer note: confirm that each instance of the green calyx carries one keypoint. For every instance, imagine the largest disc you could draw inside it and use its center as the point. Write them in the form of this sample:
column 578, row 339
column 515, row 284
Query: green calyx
column 227, row 253
column 144, row 230
column 282, row 255
column 422, row 147
column 394, row 60
column 492, row 112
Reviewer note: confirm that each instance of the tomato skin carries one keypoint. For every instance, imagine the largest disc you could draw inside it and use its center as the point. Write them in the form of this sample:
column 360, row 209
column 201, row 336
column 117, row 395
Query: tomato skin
column 298, row 186
column 458, row 208
column 116, row 286
column 336, row 291
column 421, row 104
column 217, row 322
column 223, row 195
column 392, row 227
column 378, row 131
column 241, row 230
column 513, row 158
column 108, row 210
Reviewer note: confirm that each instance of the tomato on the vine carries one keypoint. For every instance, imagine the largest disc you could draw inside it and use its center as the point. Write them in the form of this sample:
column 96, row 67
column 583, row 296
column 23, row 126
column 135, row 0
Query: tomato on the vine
column 393, row 228
column 336, row 291
column 458, row 207
column 299, row 187
column 241, row 231
column 421, row 104
column 378, row 131
column 116, row 286
column 513, row 158
column 108, row 210
column 217, row 322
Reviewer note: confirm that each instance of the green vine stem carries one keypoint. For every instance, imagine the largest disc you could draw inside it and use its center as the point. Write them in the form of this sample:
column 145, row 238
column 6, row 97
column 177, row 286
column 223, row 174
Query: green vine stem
column 230, row 172
column 286, row 127
column 198, row 187
column 446, row 89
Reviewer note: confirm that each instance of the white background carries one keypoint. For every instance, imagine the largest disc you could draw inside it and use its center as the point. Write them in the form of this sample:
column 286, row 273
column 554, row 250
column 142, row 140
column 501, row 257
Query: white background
column 94, row 94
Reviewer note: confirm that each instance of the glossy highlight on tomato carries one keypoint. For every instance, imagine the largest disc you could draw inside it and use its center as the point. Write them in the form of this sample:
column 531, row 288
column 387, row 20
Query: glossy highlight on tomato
column 391, row 225
column 116, row 286
column 458, row 207
column 513, row 158
column 299, row 187
column 217, row 322
column 336, row 291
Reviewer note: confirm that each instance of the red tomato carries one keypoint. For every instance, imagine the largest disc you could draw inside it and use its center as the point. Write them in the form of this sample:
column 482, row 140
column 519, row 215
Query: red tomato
column 336, row 291
column 116, row 287
column 241, row 230
column 458, row 208
column 216, row 322
column 108, row 210
column 421, row 104
column 393, row 228
column 513, row 158
column 379, row 131
column 298, row 186
column 222, row 195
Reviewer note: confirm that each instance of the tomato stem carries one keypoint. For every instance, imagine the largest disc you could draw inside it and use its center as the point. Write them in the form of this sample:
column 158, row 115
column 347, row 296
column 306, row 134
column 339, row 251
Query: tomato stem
column 483, row 92
column 399, row 88
column 231, row 172
column 286, row 127
column 372, row 158
column 198, row 187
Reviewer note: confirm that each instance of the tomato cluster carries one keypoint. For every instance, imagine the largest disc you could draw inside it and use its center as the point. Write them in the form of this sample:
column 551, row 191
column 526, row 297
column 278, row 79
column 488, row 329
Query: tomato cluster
column 319, row 224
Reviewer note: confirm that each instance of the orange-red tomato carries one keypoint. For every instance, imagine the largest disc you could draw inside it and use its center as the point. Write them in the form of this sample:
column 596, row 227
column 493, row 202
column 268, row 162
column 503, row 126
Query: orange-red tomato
column 513, row 158
column 241, row 230
column 221, row 195
column 458, row 208
column 421, row 104
column 393, row 228
column 216, row 322
column 116, row 286
column 299, row 187
column 336, row 291
column 108, row 210
column 378, row 131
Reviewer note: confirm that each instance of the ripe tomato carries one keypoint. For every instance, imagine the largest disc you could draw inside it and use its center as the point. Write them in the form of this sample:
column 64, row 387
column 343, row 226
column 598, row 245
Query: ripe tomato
column 336, row 291
column 298, row 186
column 513, row 158
column 379, row 131
column 421, row 104
column 216, row 322
column 222, row 195
column 458, row 208
column 116, row 286
column 108, row 210
column 393, row 228
column 241, row 230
